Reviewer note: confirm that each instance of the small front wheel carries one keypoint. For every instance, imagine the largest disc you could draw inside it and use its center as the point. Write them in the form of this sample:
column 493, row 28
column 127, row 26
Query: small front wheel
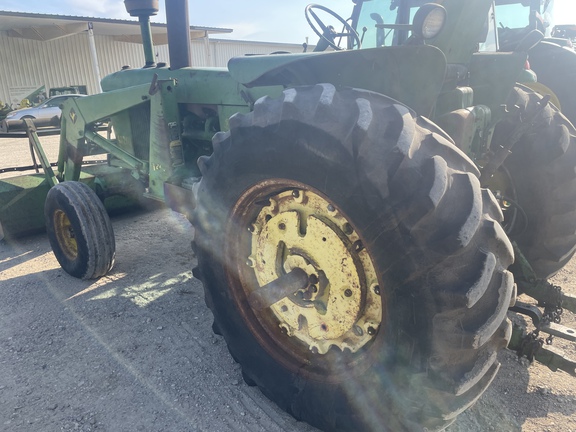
column 79, row 230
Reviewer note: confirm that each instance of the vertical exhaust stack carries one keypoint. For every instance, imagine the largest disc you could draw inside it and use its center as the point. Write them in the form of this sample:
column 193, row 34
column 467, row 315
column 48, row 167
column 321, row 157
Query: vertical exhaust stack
column 178, row 33
column 144, row 9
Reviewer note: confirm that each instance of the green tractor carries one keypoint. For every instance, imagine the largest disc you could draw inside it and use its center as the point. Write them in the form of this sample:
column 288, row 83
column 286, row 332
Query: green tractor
column 357, row 209
column 553, row 59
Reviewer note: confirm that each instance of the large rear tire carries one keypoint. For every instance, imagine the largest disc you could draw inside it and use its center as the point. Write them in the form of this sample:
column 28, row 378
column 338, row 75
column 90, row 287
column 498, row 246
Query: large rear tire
column 540, row 183
column 402, row 308
column 79, row 230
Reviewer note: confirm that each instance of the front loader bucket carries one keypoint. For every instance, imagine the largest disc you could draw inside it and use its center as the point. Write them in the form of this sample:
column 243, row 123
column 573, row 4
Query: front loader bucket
column 22, row 198
column 22, row 204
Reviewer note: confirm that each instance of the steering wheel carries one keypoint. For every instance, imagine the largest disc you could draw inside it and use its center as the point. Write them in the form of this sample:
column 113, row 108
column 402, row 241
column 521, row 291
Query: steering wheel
column 322, row 30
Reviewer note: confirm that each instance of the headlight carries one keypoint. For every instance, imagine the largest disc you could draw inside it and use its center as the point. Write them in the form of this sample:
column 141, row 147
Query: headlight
column 429, row 21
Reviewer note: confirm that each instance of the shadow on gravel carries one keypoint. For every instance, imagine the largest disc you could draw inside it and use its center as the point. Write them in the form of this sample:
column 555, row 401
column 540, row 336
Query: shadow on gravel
column 130, row 351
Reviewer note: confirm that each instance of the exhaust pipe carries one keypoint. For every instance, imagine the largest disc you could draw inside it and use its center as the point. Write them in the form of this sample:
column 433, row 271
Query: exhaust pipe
column 178, row 34
column 143, row 9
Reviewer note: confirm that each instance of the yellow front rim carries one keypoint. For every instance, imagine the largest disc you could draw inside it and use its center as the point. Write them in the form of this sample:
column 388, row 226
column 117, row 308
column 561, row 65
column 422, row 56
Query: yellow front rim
column 65, row 235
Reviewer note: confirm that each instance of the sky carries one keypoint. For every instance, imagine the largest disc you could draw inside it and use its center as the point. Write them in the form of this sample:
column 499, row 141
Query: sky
column 256, row 20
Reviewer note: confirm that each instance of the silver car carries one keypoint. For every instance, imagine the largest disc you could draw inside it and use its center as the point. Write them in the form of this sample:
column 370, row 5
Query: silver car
column 45, row 114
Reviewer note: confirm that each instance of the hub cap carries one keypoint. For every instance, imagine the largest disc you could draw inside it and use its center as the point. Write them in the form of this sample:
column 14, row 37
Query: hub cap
column 65, row 235
column 340, row 305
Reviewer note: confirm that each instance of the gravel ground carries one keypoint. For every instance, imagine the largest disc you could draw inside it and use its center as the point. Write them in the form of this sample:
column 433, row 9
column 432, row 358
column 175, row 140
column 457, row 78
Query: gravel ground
column 134, row 350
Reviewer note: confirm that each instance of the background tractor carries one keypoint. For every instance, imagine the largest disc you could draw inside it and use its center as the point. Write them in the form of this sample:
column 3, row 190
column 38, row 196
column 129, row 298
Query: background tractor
column 553, row 60
column 356, row 209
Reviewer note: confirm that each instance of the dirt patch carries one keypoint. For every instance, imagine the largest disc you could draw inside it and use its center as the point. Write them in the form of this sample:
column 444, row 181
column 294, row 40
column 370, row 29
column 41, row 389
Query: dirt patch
column 131, row 351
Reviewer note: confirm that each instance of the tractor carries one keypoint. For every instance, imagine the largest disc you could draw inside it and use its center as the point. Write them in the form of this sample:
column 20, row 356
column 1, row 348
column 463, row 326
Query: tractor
column 364, row 214
column 553, row 59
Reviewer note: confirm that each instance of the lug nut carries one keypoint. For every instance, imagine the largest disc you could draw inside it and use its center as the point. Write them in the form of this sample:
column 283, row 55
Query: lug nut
column 295, row 193
column 282, row 226
column 377, row 290
column 347, row 228
column 348, row 293
column 371, row 331
column 358, row 246
column 330, row 208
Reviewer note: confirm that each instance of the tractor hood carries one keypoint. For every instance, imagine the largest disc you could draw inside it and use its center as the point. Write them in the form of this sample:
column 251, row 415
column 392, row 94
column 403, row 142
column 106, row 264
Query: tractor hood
column 412, row 75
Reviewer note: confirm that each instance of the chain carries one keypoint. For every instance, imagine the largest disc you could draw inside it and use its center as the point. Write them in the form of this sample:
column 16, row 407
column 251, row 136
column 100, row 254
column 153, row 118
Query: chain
column 553, row 310
column 532, row 342
column 530, row 345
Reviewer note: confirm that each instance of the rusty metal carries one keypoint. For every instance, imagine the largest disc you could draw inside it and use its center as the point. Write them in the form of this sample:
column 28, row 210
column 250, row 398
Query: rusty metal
column 286, row 285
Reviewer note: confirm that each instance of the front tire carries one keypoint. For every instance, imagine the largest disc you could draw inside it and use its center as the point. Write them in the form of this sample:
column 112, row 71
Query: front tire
column 79, row 230
column 402, row 310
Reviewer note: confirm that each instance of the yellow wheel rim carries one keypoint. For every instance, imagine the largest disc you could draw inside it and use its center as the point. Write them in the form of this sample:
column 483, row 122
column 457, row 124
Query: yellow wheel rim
column 543, row 91
column 341, row 305
column 65, row 235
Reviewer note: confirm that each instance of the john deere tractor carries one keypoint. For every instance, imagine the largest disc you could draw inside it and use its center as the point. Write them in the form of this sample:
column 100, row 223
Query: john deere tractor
column 356, row 208
column 553, row 59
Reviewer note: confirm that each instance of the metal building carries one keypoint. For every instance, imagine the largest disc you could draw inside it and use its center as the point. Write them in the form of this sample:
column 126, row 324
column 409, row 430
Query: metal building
column 43, row 51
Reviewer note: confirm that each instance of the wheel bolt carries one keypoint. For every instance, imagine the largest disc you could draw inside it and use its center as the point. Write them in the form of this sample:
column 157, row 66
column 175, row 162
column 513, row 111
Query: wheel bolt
column 295, row 193
column 314, row 288
column 313, row 279
column 358, row 330
column 348, row 293
column 371, row 331
column 347, row 228
column 358, row 246
column 377, row 290
column 282, row 226
column 250, row 262
column 330, row 208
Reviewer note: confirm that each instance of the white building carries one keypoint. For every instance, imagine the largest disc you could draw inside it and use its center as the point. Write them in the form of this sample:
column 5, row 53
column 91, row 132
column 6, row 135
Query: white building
column 58, row 50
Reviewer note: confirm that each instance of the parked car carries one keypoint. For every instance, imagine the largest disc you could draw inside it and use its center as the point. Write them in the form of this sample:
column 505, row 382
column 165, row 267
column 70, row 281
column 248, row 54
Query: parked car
column 45, row 114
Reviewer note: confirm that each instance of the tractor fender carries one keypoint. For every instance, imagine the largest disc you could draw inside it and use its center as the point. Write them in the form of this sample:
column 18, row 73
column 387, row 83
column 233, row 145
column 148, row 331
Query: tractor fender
column 412, row 75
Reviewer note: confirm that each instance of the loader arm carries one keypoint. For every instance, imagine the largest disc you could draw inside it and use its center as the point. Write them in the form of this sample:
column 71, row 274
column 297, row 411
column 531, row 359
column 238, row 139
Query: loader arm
column 78, row 118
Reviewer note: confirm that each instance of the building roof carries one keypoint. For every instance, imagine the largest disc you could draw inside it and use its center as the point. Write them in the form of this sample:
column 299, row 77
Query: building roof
column 44, row 27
